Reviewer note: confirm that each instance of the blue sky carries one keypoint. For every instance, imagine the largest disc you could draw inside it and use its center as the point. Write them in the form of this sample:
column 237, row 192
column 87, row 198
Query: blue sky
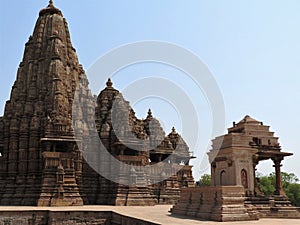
column 251, row 47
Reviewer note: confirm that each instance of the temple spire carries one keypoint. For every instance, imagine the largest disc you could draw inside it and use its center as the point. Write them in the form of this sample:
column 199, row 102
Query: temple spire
column 149, row 112
column 50, row 9
column 109, row 83
column 51, row 65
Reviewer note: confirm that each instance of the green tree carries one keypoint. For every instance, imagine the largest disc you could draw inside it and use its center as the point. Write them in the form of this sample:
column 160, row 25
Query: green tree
column 293, row 193
column 287, row 179
column 267, row 185
column 205, row 180
column 289, row 185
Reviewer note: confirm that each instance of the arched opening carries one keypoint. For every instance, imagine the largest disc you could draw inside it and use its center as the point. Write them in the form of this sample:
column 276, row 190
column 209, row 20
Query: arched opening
column 244, row 178
column 222, row 177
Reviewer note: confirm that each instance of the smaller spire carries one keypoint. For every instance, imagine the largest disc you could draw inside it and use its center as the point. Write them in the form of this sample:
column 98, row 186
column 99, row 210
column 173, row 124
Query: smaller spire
column 149, row 113
column 50, row 9
column 173, row 130
column 109, row 83
column 50, row 3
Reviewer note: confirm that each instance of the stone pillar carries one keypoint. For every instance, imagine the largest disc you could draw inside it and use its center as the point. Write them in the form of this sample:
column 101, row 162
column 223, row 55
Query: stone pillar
column 278, row 187
column 213, row 173
column 255, row 159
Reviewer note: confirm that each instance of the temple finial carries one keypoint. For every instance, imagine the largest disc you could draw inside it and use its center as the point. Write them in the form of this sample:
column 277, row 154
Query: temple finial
column 149, row 113
column 50, row 9
column 109, row 83
column 173, row 130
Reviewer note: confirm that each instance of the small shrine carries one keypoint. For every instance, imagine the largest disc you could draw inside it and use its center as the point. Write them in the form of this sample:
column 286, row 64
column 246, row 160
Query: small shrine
column 235, row 193
column 234, row 156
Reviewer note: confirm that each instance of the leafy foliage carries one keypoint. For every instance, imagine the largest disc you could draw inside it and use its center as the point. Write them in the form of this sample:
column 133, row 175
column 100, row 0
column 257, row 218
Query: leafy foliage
column 205, row 180
column 267, row 185
column 289, row 184
column 293, row 192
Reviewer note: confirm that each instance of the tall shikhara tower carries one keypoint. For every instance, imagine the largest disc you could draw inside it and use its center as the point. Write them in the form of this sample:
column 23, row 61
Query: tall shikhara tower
column 40, row 163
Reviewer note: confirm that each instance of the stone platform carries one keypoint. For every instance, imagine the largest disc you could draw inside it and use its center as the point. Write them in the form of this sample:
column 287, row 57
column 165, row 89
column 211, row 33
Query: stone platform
column 111, row 215
column 220, row 203
column 228, row 203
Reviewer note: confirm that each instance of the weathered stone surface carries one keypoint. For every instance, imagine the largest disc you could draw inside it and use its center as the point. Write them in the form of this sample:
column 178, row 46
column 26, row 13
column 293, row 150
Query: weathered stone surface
column 223, row 203
column 37, row 136
column 46, row 217
column 138, row 144
column 233, row 160
column 41, row 154
column 273, row 207
column 234, row 156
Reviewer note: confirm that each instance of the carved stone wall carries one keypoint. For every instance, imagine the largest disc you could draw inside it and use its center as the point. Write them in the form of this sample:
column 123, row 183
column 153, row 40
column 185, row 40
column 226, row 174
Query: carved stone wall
column 41, row 154
column 140, row 143
column 37, row 118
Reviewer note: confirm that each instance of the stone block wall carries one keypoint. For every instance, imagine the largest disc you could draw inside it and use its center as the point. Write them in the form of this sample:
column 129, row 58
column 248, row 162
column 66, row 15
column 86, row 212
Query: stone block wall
column 273, row 207
column 46, row 217
column 220, row 203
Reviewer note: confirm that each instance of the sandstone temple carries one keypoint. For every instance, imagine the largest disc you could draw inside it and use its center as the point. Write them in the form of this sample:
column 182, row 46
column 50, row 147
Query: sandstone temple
column 62, row 146
column 235, row 193
column 42, row 159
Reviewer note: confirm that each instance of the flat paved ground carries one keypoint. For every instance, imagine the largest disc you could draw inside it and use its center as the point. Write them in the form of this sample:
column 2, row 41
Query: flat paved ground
column 158, row 214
